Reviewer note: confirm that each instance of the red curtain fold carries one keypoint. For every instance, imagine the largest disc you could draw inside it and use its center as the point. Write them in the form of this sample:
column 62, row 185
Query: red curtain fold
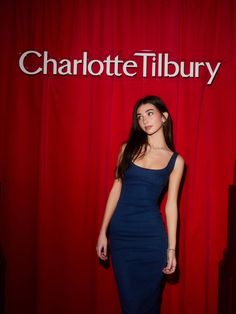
column 60, row 136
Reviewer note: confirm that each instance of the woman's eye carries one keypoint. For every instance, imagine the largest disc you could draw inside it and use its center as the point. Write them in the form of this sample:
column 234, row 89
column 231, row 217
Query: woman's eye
column 150, row 113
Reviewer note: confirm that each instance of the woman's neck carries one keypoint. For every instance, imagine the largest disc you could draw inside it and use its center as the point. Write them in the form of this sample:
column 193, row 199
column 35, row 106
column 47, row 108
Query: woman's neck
column 157, row 141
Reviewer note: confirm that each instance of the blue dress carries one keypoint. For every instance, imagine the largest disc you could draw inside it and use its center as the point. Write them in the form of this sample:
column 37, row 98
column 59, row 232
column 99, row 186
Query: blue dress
column 138, row 239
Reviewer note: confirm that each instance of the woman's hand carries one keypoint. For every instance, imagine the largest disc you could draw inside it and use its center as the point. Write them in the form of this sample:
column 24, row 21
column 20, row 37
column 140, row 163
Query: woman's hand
column 171, row 262
column 101, row 247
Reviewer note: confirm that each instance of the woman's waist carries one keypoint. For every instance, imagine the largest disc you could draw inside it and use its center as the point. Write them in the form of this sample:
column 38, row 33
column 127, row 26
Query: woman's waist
column 141, row 203
column 141, row 211
column 137, row 198
column 137, row 223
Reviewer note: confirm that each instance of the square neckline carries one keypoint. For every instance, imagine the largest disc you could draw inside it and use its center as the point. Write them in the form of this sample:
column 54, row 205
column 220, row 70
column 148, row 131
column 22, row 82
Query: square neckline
column 155, row 169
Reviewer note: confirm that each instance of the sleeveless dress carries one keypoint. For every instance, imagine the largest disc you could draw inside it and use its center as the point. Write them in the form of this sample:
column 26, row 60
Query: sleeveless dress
column 138, row 239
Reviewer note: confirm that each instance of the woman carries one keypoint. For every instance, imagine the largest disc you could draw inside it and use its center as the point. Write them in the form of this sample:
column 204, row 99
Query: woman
column 141, row 249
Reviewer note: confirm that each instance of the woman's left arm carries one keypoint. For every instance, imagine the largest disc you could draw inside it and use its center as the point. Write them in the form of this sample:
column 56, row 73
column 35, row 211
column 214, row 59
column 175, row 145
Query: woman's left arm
column 171, row 212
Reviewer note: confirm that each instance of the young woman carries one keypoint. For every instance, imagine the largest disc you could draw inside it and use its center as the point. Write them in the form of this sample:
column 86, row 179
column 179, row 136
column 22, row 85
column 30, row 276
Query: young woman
column 141, row 249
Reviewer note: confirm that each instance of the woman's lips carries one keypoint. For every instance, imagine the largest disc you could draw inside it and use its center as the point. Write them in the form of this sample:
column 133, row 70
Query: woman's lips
column 148, row 127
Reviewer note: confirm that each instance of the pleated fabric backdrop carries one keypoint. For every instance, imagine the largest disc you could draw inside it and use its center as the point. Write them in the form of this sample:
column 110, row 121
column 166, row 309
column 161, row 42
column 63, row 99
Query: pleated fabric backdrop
column 60, row 136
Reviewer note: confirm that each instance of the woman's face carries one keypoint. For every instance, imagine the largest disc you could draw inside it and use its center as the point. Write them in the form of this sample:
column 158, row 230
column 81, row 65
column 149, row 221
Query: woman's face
column 149, row 118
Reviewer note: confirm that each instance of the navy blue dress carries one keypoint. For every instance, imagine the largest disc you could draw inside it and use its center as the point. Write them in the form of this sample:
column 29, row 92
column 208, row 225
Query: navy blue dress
column 138, row 239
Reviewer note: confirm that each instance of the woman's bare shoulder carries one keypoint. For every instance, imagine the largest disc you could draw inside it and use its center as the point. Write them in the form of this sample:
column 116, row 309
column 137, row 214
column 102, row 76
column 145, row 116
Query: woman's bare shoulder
column 179, row 162
column 122, row 148
column 123, row 145
column 180, row 158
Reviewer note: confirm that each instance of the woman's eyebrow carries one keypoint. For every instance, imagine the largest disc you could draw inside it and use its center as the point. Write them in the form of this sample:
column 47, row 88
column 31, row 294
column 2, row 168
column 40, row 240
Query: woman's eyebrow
column 138, row 114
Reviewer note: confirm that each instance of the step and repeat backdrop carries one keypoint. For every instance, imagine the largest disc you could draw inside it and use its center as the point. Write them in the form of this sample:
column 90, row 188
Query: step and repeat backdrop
column 71, row 72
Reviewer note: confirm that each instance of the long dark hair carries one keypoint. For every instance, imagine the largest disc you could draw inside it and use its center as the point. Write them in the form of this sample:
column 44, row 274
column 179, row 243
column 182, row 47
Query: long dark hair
column 138, row 138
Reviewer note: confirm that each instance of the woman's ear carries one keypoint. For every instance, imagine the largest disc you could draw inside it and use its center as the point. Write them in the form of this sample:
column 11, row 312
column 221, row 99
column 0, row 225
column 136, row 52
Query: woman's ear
column 165, row 116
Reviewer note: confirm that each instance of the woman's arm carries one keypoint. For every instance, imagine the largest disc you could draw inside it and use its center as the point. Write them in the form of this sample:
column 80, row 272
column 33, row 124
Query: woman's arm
column 109, row 210
column 111, row 204
column 171, row 212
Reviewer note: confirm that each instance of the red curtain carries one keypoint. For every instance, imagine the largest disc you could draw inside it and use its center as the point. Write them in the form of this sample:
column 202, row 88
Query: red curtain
column 60, row 136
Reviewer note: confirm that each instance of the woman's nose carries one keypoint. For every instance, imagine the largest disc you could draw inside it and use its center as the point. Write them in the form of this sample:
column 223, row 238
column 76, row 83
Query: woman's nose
column 145, row 120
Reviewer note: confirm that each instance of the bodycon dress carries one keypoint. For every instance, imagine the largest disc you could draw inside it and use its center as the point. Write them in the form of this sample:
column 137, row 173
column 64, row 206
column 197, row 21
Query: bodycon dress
column 138, row 239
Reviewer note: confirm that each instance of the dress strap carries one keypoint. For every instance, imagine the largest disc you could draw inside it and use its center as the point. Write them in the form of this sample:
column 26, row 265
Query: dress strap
column 171, row 163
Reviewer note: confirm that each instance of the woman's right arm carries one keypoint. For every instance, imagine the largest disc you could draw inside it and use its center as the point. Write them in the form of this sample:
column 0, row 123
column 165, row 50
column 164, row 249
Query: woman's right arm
column 109, row 210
